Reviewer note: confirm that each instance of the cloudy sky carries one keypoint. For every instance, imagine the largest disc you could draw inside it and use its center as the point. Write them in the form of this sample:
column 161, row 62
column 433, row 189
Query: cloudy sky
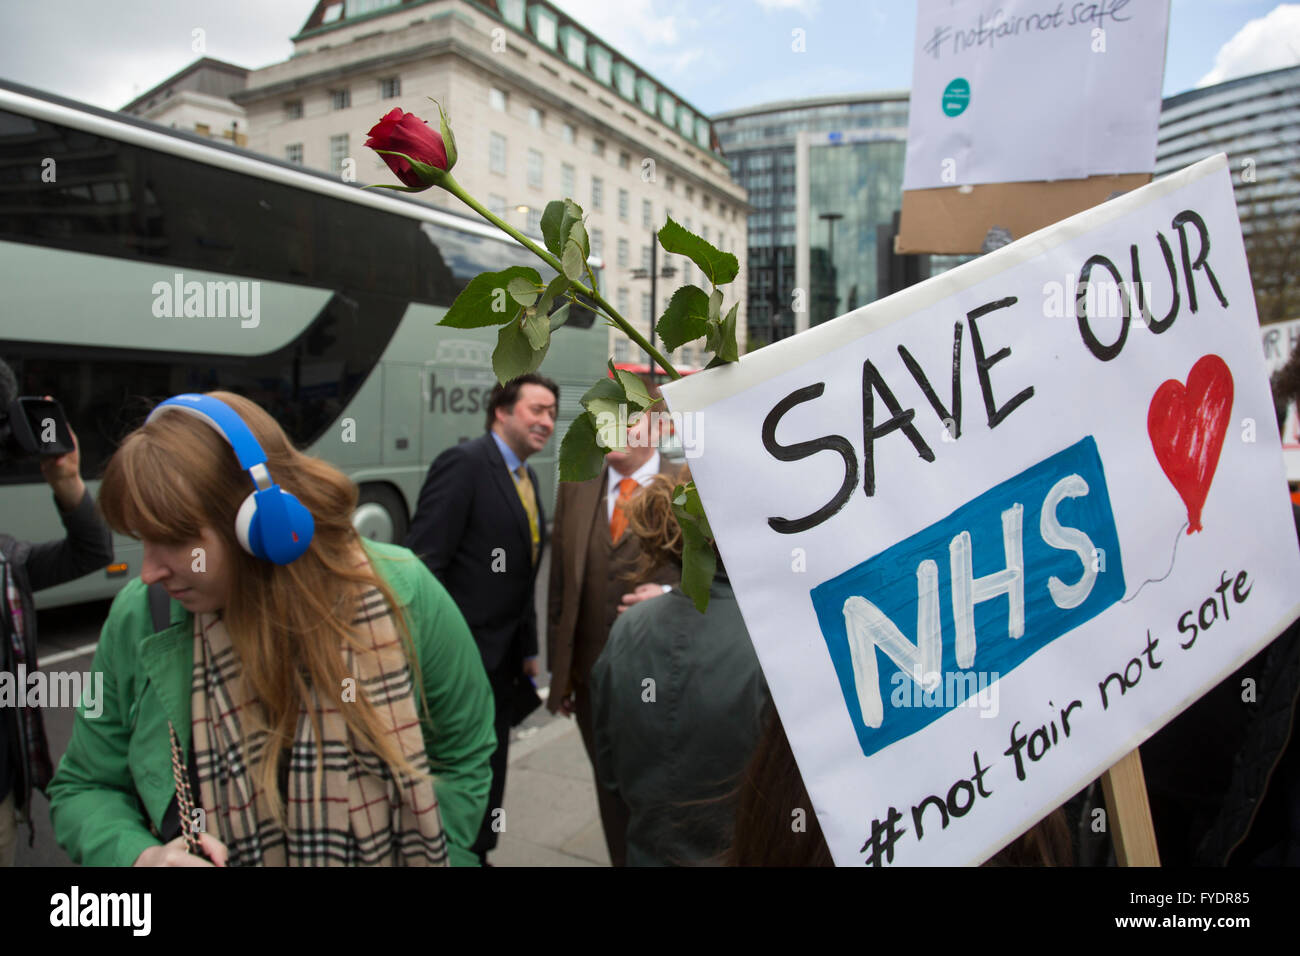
column 717, row 54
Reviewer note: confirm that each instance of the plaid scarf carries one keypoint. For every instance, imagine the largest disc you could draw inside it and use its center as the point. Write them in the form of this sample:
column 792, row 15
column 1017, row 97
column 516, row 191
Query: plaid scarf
column 38, row 769
column 363, row 817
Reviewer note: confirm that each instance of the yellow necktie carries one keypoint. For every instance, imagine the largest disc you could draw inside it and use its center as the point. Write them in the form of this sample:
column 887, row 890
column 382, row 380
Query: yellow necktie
column 524, row 485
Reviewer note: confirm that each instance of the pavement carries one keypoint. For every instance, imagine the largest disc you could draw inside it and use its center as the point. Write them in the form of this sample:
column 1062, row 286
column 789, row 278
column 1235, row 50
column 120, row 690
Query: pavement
column 551, row 815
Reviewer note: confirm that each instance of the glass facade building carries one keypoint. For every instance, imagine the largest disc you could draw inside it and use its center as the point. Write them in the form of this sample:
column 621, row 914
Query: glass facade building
column 825, row 178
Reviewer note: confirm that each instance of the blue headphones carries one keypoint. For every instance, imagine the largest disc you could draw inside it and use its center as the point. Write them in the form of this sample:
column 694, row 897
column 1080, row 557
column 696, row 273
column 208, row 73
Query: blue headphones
column 272, row 524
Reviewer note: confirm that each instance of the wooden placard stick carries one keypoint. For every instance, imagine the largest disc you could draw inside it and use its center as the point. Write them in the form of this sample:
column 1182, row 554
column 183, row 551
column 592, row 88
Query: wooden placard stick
column 1132, row 832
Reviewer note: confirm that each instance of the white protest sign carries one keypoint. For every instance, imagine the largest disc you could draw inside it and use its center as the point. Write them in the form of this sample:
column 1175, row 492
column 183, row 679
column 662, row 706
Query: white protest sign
column 1025, row 90
column 1279, row 340
column 988, row 539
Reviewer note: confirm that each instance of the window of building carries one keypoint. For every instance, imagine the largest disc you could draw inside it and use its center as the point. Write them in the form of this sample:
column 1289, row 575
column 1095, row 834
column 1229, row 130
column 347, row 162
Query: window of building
column 671, row 183
column 293, row 153
column 690, row 193
column 390, row 88
column 704, row 233
column 497, row 99
column 624, row 161
column 293, row 109
column 534, row 169
column 597, row 193
column 707, row 200
column 338, row 152
column 496, row 205
column 534, row 223
column 623, row 201
column 569, row 133
column 340, row 99
column 597, row 238
column 647, row 214
column 623, row 306
column 622, row 257
column 645, row 258
column 568, row 180
column 497, row 154
column 535, row 117
column 598, row 147
column 622, row 347
column 645, row 309
column 203, row 129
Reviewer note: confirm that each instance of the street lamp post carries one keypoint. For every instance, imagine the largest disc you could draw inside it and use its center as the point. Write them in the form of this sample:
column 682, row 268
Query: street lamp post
column 668, row 272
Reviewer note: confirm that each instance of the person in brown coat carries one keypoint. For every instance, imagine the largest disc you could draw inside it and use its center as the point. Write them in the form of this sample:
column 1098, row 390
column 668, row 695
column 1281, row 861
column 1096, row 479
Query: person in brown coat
column 593, row 558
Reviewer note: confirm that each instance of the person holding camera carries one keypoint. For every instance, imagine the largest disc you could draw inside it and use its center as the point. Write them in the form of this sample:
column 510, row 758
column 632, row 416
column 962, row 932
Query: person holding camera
column 24, row 568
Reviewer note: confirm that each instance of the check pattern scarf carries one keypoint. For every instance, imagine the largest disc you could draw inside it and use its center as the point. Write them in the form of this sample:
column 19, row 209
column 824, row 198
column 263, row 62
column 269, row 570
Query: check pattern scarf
column 362, row 816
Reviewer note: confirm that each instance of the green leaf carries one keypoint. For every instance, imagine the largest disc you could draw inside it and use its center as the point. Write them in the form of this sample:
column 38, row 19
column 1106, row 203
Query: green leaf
column 537, row 328
column 603, row 401
column 572, row 214
column 581, row 456
column 728, row 350
column 578, row 234
column 557, row 287
column 559, row 316
column 721, row 267
column 574, row 263
column 699, row 563
column 635, row 390
column 523, row 291
column 552, row 220
column 448, row 138
column 686, row 317
column 514, row 354
column 431, row 175
column 485, row 301
column 715, row 306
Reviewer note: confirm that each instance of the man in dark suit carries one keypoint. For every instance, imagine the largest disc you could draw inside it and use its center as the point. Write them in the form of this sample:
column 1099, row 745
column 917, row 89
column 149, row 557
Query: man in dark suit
column 593, row 565
column 480, row 528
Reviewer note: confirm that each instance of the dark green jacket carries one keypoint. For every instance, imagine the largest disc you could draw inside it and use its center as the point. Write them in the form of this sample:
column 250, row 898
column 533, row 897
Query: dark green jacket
column 115, row 780
column 678, row 703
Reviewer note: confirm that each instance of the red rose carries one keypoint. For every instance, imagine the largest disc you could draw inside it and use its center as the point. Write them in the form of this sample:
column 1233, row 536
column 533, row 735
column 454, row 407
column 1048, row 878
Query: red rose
column 406, row 133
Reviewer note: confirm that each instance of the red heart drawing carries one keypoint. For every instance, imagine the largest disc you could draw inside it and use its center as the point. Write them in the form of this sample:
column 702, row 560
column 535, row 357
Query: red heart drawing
column 1187, row 425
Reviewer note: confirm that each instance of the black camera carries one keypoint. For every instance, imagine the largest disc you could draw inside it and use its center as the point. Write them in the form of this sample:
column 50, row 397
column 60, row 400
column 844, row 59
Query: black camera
column 32, row 427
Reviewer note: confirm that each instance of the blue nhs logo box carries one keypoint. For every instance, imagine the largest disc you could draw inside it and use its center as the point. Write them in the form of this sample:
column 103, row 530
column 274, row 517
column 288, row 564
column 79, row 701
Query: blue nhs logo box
column 989, row 585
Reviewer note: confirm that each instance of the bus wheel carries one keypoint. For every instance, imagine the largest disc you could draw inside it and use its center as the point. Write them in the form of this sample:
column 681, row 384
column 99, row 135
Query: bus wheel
column 380, row 515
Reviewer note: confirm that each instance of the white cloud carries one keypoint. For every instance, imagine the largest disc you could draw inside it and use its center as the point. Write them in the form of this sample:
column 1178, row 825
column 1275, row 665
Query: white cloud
column 1269, row 43
column 806, row 7
column 627, row 24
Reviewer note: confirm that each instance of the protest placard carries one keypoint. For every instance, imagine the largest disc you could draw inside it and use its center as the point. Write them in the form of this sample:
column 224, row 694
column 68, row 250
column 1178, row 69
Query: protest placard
column 1279, row 340
column 1023, row 113
column 992, row 532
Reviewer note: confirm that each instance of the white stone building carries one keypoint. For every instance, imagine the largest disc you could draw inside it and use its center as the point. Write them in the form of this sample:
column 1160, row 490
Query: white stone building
column 541, row 110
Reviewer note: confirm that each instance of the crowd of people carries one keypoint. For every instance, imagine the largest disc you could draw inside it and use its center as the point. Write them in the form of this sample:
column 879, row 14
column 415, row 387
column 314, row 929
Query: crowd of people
column 280, row 691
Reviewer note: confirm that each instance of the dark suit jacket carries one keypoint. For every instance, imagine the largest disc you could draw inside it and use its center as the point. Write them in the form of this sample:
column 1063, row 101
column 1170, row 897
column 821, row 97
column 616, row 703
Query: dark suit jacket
column 471, row 529
column 567, row 640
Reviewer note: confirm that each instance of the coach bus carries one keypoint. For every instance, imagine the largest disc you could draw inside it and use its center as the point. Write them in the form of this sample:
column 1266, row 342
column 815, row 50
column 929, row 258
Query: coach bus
column 137, row 262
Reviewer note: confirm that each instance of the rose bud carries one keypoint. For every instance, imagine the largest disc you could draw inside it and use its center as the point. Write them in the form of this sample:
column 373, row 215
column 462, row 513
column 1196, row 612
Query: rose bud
column 413, row 151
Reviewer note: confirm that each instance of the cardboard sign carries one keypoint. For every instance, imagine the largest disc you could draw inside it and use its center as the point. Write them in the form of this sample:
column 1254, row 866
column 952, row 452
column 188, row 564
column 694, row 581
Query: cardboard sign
column 1018, row 90
column 1023, row 113
column 1279, row 340
column 992, row 532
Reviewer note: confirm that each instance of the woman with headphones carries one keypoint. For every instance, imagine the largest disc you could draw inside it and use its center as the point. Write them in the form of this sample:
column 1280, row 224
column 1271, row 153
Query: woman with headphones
column 277, row 691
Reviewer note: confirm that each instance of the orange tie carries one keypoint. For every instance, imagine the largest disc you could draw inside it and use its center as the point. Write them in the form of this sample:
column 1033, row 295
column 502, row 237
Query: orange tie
column 618, row 523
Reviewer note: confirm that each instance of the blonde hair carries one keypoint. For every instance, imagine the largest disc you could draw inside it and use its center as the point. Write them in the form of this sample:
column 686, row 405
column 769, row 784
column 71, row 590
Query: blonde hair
column 289, row 624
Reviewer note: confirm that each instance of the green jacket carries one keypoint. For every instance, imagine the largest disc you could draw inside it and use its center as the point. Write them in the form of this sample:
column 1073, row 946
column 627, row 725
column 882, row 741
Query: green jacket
column 115, row 779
